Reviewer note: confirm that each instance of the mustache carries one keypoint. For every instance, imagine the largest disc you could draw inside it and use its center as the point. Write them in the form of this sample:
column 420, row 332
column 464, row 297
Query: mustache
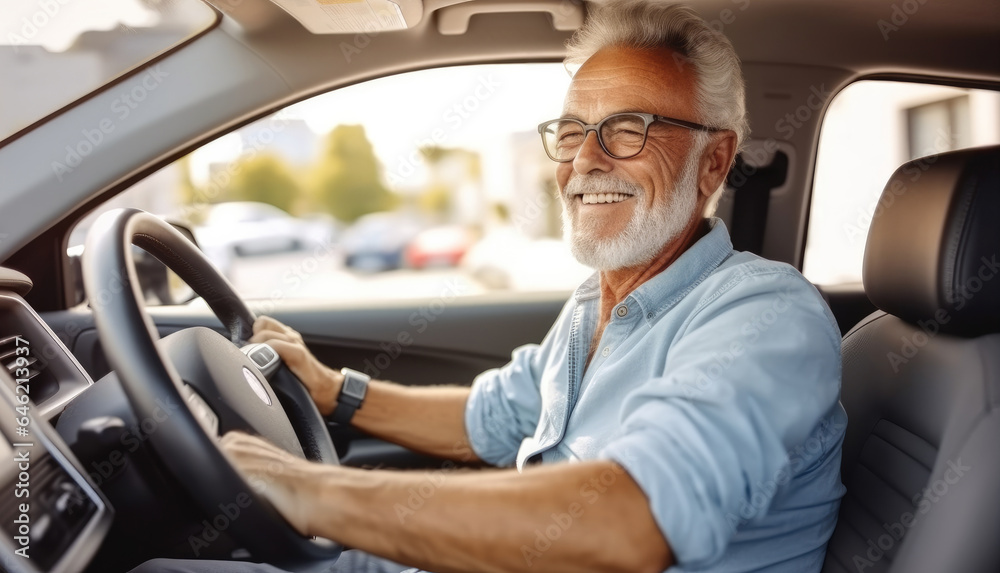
column 603, row 183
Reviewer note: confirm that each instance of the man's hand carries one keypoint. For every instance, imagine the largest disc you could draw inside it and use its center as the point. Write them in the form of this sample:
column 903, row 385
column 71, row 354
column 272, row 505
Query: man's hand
column 322, row 382
column 285, row 480
column 464, row 521
column 427, row 419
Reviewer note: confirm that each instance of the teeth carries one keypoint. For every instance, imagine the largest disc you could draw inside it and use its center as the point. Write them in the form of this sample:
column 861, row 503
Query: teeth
column 594, row 198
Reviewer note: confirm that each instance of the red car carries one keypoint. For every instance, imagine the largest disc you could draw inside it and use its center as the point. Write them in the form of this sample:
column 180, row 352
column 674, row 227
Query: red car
column 439, row 247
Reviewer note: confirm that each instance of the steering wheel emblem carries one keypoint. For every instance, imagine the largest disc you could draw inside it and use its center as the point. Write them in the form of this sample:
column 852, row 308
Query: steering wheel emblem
column 256, row 386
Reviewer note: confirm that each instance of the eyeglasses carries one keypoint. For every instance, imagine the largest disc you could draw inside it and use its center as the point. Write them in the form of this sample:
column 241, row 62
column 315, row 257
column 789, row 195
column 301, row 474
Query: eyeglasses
column 621, row 135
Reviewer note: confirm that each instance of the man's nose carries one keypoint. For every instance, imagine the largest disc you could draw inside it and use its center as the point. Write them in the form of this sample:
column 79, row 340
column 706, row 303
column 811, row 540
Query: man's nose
column 591, row 156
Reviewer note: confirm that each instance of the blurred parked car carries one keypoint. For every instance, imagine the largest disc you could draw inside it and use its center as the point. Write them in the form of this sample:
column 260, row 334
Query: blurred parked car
column 250, row 229
column 505, row 259
column 439, row 247
column 376, row 242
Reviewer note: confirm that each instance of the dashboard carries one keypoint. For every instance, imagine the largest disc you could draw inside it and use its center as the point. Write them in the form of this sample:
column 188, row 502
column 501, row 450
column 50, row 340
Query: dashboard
column 53, row 518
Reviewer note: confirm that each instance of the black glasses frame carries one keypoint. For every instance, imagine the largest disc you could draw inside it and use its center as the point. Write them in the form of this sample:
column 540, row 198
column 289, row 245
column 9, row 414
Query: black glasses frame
column 648, row 118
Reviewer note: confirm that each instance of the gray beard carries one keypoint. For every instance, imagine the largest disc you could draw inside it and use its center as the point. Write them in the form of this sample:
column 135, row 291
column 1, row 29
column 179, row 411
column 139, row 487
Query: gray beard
column 645, row 235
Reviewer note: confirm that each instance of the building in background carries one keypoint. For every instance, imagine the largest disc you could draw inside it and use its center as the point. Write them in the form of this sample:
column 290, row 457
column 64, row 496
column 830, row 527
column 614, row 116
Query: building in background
column 870, row 129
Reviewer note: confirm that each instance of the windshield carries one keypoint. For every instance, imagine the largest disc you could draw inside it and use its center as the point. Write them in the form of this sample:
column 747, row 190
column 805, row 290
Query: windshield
column 54, row 52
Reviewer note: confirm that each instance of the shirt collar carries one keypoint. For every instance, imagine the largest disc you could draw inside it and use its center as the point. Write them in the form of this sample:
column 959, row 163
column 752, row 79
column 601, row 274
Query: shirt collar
column 660, row 293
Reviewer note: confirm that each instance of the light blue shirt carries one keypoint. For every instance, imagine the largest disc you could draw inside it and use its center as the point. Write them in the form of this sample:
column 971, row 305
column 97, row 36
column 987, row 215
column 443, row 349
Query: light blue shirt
column 715, row 386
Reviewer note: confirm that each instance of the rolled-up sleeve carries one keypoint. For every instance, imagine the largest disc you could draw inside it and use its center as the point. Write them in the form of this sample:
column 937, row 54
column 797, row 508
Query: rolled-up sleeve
column 506, row 403
column 751, row 374
column 503, row 408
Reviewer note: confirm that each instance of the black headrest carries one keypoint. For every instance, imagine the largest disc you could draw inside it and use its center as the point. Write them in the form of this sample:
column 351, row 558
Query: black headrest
column 933, row 251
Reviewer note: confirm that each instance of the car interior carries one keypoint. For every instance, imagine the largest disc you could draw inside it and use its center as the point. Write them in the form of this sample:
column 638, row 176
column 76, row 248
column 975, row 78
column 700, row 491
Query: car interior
column 112, row 404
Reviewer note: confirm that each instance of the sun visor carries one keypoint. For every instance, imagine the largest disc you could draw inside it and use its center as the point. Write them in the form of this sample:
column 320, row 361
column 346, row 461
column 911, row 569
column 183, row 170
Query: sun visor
column 353, row 16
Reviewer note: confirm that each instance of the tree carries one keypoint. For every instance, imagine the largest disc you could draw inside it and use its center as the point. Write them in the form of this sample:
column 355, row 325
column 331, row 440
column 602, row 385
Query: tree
column 436, row 200
column 190, row 197
column 265, row 178
column 347, row 181
column 451, row 172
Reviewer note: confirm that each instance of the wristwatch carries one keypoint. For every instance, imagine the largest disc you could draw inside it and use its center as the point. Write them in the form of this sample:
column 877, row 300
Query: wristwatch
column 352, row 395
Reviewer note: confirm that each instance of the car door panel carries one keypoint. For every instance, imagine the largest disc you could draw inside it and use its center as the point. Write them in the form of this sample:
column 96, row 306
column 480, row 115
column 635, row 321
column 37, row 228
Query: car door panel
column 424, row 343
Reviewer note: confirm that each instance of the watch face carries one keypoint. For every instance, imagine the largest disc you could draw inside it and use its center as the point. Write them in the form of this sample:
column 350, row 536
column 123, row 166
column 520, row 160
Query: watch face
column 354, row 387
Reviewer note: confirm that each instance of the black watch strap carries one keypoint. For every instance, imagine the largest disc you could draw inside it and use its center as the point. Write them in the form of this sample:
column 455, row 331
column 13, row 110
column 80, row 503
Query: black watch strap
column 352, row 395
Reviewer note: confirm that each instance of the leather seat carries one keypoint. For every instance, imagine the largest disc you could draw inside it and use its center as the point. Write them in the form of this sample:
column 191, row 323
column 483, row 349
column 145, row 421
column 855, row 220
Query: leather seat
column 921, row 377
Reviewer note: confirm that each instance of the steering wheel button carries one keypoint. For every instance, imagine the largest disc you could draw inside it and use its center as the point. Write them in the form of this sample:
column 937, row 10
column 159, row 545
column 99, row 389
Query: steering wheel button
column 262, row 356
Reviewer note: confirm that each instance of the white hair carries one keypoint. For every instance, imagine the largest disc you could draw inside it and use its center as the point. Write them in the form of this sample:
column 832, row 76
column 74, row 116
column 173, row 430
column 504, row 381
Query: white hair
column 647, row 24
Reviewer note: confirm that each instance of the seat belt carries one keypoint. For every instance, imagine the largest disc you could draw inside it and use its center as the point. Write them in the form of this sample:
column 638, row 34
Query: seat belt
column 751, row 187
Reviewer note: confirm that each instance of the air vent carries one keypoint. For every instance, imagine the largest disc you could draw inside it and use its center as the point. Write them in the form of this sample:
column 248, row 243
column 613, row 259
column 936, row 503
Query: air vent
column 41, row 383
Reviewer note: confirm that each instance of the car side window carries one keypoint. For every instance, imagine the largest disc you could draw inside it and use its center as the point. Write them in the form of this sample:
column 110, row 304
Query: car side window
column 417, row 185
column 870, row 129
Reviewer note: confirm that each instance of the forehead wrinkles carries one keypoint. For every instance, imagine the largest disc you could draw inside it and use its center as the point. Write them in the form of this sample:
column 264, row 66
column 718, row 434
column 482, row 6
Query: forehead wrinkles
column 628, row 86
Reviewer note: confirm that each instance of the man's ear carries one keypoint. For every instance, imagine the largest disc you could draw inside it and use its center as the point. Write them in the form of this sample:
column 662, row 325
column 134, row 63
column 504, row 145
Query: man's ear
column 716, row 160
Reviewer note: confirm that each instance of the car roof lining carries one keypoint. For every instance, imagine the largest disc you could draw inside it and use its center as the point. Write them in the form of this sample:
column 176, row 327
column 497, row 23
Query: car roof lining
column 954, row 38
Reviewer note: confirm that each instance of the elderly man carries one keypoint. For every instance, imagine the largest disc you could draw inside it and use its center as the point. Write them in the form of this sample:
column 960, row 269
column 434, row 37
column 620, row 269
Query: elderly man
column 681, row 414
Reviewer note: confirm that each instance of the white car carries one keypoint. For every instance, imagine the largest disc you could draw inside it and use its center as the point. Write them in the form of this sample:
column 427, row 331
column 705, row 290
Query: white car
column 241, row 229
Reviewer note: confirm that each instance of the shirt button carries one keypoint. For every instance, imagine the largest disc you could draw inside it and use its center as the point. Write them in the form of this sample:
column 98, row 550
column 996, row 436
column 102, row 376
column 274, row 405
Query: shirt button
column 622, row 311
column 606, row 351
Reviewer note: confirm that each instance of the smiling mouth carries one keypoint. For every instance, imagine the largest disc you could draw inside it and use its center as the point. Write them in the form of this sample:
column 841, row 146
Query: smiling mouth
column 596, row 198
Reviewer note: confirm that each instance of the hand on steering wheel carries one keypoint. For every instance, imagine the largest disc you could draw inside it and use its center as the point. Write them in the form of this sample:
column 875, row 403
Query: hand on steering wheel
column 282, row 478
column 218, row 387
column 322, row 382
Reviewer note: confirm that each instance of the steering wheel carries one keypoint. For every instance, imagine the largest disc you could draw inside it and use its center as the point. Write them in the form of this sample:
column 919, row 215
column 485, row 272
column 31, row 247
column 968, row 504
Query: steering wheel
column 195, row 384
